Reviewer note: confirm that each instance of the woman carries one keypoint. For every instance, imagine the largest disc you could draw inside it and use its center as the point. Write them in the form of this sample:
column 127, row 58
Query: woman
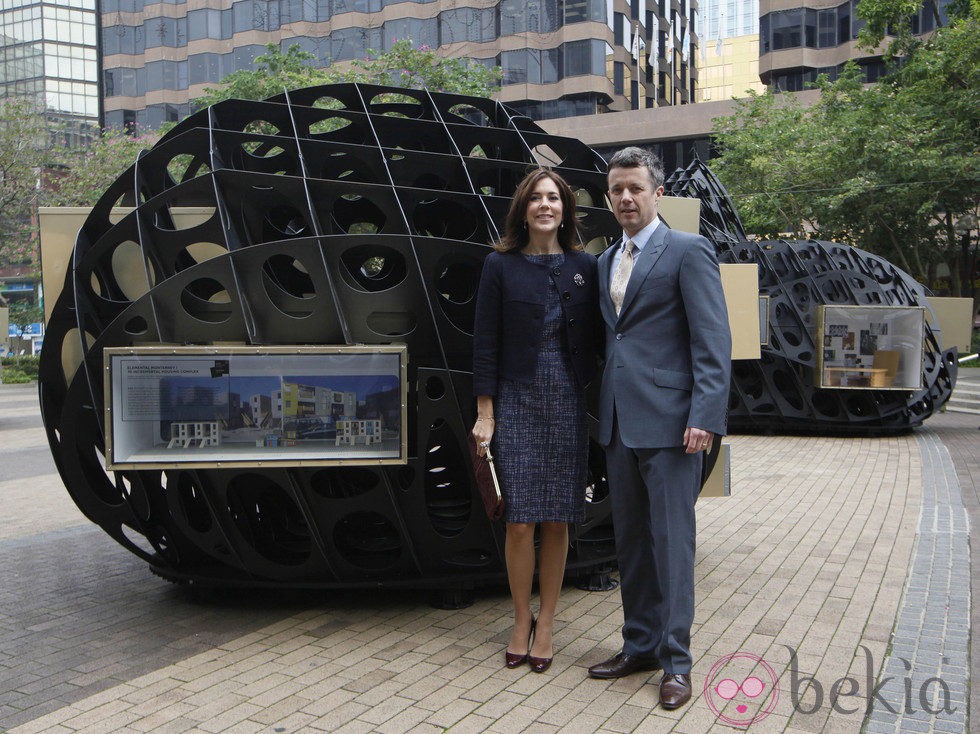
column 534, row 349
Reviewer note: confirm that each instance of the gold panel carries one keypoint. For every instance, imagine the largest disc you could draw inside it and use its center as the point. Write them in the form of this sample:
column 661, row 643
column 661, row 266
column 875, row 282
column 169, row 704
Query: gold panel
column 741, row 285
column 954, row 319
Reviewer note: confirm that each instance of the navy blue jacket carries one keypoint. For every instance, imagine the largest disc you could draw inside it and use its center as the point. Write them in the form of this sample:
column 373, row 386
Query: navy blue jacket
column 510, row 311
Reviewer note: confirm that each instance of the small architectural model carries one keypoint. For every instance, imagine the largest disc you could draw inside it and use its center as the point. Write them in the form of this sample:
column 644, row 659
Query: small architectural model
column 185, row 434
column 351, row 432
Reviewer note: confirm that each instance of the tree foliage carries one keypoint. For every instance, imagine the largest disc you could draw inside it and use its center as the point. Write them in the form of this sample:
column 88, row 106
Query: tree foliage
column 402, row 65
column 23, row 142
column 89, row 171
column 890, row 167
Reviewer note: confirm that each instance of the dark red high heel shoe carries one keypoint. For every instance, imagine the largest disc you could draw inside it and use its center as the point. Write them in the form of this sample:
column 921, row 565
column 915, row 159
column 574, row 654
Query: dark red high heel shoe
column 516, row 660
column 538, row 665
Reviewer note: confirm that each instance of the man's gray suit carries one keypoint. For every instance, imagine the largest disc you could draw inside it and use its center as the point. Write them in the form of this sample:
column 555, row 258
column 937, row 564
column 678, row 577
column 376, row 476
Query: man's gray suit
column 668, row 364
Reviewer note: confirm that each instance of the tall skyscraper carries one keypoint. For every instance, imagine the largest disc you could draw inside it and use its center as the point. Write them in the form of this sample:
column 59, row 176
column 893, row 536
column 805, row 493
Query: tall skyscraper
column 48, row 51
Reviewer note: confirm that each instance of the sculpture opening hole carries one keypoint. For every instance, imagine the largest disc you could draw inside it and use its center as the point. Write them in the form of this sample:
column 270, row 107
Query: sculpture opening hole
column 458, row 281
column 328, row 125
column 344, row 482
column 121, row 208
column 136, row 326
column 435, row 388
column 597, row 488
column 328, row 103
column 206, row 300
column 445, row 218
column 284, row 221
column 545, row 155
column 129, row 270
column 269, row 520
column 357, row 215
column 287, row 275
column 198, row 252
column 190, row 498
column 406, row 477
column 185, row 167
column 367, row 540
column 470, row 114
column 391, row 323
column 373, row 268
column 72, row 352
column 448, row 493
column 140, row 542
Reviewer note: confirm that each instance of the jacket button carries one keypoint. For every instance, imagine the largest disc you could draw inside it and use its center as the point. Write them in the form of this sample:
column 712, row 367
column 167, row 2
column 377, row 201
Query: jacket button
column 556, row 271
column 571, row 322
column 574, row 350
column 619, row 337
column 567, row 296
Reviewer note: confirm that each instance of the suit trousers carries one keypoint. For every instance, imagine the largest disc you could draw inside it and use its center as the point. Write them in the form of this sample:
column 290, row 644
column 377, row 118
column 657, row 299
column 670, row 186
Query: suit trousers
column 653, row 492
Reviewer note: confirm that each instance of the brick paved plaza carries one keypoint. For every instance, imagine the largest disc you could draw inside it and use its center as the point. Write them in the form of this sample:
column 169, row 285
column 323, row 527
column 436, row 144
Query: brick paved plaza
column 853, row 553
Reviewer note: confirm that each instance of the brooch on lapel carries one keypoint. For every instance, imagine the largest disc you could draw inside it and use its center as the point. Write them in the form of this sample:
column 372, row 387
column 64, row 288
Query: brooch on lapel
column 579, row 280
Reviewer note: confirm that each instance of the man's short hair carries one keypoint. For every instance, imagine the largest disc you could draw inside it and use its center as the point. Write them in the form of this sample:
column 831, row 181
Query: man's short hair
column 633, row 157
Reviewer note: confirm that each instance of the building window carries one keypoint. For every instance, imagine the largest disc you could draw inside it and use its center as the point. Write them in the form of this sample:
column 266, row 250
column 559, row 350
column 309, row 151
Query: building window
column 810, row 28
column 787, row 29
column 827, row 28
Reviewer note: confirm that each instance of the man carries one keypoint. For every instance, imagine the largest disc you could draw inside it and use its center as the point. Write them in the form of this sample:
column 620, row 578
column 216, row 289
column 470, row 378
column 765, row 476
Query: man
column 664, row 399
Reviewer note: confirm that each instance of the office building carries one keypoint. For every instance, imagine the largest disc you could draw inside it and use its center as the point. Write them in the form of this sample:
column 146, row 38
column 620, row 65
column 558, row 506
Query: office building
column 729, row 63
column 799, row 41
column 560, row 57
column 48, row 51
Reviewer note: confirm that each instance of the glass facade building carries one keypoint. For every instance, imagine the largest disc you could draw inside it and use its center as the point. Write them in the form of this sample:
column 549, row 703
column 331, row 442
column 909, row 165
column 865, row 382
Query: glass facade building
column 721, row 19
column 559, row 57
column 797, row 44
column 48, row 50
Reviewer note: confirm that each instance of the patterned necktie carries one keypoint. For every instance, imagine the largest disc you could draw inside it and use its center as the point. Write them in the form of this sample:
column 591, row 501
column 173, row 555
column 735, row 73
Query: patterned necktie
column 617, row 289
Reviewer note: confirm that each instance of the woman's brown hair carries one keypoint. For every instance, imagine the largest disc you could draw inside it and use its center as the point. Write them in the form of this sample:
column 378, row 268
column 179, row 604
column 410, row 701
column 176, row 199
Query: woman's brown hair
column 515, row 229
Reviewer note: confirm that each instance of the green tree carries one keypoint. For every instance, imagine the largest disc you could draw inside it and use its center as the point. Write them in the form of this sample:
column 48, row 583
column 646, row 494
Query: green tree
column 87, row 172
column 22, row 313
column 890, row 167
column 24, row 142
column 402, row 65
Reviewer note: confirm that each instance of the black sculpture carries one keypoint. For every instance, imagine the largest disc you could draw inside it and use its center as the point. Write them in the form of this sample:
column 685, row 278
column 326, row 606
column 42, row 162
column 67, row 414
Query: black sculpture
column 359, row 214
column 778, row 392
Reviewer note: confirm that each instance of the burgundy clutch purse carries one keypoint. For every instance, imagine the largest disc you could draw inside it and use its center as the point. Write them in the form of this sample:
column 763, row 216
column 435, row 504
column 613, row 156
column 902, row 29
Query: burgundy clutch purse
column 486, row 481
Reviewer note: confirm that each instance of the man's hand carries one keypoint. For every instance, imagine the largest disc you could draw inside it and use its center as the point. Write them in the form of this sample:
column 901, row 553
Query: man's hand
column 696, row 439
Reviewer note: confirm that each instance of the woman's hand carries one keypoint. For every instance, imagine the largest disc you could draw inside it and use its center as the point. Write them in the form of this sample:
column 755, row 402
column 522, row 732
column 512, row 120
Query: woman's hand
column 483, row 432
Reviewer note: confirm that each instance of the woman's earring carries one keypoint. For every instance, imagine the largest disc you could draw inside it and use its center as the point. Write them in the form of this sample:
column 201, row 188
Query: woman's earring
column 525, row 224
column 562, row 225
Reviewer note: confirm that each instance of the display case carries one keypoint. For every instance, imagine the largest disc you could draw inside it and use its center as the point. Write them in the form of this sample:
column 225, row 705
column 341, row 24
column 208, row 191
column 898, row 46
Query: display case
column 870, row 347
column 215, row 406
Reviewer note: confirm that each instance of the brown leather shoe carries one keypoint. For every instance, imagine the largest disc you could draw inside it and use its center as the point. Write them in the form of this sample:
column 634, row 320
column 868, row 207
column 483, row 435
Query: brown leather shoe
column 675, row 690
column 622, row 664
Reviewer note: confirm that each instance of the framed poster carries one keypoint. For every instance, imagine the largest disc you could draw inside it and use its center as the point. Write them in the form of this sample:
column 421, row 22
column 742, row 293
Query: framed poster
column 214, row 406
column 870, row 347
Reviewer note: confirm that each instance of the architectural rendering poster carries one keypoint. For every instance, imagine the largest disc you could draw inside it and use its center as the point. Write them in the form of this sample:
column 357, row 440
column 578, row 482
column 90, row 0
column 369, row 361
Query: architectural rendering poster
column 213, row 406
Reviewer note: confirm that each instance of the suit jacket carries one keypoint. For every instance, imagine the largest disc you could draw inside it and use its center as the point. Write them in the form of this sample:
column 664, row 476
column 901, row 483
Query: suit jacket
column 510, row 310
column 668, row 353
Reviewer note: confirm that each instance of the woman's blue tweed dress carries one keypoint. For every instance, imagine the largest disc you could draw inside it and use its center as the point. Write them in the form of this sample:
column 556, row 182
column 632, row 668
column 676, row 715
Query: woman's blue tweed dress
column 541, row 436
